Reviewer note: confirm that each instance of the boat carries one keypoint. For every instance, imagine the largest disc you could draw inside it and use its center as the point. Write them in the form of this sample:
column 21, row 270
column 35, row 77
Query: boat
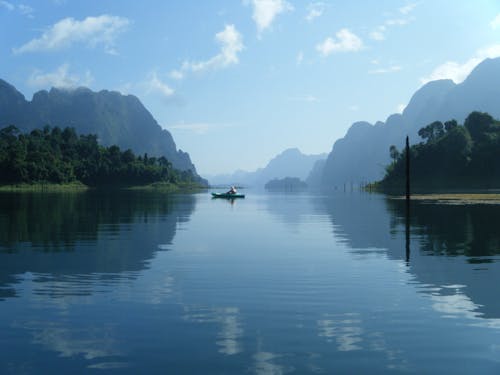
column 227, row 195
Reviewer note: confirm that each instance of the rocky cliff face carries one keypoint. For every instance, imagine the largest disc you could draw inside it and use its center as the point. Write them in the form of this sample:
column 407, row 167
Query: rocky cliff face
column 115, row 118
column 364, row 151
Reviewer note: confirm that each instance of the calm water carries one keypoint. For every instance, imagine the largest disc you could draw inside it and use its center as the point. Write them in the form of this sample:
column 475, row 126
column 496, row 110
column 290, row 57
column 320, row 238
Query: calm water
column 272, row 284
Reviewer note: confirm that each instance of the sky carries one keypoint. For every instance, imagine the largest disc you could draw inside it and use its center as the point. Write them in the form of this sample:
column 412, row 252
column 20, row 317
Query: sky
column 237, row 82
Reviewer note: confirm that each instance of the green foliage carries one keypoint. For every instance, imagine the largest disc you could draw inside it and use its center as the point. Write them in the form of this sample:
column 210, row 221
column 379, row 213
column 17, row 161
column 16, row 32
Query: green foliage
column 478, row 124
column 287, row 183
column 432, row 131
column 57, row 155
column 453, row 156
column 393, row 151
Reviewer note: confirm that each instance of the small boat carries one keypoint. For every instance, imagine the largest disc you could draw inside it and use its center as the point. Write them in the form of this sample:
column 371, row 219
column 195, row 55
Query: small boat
column 227, row 195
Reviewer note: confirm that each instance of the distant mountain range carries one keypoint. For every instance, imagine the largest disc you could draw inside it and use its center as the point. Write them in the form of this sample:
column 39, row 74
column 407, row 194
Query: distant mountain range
column 364, row 151
column 115, row 118
column 290, row 163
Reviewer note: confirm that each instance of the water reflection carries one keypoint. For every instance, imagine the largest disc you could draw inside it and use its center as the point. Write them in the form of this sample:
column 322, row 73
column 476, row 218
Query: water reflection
column 95, row 344
column 229, row 321
column 346, row 330
column 299, row 284
column 466, row 238
column 265, row 364
column 74, row 242
column 447, row 229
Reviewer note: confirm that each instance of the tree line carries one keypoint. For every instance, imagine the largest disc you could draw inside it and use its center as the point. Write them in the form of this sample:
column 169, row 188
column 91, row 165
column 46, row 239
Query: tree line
column 451, row 155
column 55, row 155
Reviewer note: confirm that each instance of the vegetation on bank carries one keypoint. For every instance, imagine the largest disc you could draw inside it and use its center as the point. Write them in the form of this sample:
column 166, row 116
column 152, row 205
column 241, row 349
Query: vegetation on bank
column 286, row 184
column 451, row 156
column 51, row 157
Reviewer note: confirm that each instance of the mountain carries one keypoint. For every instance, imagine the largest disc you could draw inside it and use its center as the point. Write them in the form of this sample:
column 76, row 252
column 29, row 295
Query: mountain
column 363, row 153
column 290, row 163
column 115, row 118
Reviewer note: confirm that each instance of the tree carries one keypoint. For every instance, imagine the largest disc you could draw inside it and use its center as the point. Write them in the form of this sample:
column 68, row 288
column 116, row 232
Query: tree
column 451, row 124
column 60, row 155
column 478, row 123
column 394, row 153
column 432, row 131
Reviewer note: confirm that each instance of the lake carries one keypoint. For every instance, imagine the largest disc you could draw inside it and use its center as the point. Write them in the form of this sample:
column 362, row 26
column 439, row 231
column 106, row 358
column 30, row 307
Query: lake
column 134, row 282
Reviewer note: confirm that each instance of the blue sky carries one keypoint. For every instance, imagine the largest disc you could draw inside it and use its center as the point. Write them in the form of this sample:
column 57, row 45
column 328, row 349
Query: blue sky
column 237, row 82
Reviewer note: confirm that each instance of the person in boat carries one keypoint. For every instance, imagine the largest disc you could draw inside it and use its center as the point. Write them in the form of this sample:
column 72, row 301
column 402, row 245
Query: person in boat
column 232, row 190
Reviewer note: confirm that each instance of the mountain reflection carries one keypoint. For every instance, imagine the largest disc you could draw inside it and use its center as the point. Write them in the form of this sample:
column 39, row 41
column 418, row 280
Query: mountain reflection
column 91, row 235
column 452, row 229
column 450, row 245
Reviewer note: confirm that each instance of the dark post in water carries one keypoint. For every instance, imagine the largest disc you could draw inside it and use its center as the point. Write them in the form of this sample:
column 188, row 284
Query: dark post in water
column 407, row 226
column 407, row 170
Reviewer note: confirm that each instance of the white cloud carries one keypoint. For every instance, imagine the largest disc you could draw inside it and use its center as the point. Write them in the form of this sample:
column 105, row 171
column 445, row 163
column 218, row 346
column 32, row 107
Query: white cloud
column 300, row 58
column 7, row 5
column 231, row 43
column 155, row 84
column 198, row 128
column 345, row 41
column 495, row 23
column 125, row 88
column 61, row 78
column 93, row 31
column 407, row 8
column 26, row 10
column 378, row 33
column 23, row 9
column 265, row 11
column 315, row 10
column 401, row 108
column 397, row 22
column 176, row 74
column 390, row 69
column 306, row 98
column 458, row 72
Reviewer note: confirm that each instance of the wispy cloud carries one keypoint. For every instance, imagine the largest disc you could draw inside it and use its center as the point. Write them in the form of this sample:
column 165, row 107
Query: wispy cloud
column 457, row 71
column 401, row 19
column 26, row 10
column 198, row 128
column 306, row 98
column 299, row 58
column 495, row 23
column 345, row 41
column 390, row 69
column 23, row 9
column 231, row 44
column 155, row 84
column 378, row 34
column 60, row 78
column 176, row 74
column 92, row 31
column 265, row 11
column 7, row 5
column 408, row 8
column 315, row 10
column 397, row 22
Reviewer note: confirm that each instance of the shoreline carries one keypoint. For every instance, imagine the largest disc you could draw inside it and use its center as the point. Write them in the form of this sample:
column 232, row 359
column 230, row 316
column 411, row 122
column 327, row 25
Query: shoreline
column 455, row 198
column 78, row 187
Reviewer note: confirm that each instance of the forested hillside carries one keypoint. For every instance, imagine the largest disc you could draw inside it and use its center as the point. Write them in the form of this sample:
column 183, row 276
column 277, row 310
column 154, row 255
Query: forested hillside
column 116, row 119
column 54, row 155
column 451, row 156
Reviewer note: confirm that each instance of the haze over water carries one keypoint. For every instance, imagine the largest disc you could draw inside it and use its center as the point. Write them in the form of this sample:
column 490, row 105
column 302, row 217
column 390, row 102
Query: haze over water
column 275, row 283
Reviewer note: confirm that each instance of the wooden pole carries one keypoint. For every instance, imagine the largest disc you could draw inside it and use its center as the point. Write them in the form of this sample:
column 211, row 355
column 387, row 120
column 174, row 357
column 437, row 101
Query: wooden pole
column 407, row 170
column 407, row 226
